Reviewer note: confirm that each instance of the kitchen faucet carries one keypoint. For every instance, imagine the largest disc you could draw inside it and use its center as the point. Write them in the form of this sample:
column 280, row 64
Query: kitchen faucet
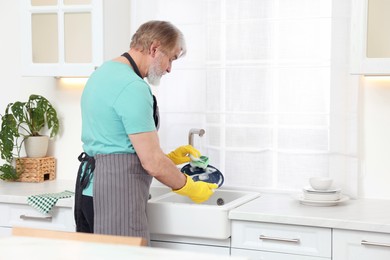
column 193, row 131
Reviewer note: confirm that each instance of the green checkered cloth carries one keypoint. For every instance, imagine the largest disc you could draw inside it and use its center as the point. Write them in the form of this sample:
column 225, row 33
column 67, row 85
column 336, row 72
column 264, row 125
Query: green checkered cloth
column 45, row 202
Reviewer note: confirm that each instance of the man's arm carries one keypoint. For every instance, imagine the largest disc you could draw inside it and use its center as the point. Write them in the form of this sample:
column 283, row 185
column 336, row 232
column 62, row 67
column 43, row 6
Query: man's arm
column 155, row 162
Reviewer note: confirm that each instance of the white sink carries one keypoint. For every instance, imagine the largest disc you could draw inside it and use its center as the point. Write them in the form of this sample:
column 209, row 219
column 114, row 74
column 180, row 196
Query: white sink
column 173, row 214
column 157, row 191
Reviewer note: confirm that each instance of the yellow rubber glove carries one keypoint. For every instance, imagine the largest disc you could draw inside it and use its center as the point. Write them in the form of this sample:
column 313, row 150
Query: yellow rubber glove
column 198, row 191
column 181, row 154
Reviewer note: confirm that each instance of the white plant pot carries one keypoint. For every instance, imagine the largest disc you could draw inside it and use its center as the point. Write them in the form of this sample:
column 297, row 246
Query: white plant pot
column 36, row 146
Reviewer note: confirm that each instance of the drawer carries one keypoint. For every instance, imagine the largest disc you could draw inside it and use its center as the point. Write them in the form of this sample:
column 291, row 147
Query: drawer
column 60, row 218
column 290, row 239
column 356, row 245
column 262, row 255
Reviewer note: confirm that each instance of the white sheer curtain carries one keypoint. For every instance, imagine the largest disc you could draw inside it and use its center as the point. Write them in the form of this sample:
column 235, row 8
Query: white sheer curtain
column 268, row 81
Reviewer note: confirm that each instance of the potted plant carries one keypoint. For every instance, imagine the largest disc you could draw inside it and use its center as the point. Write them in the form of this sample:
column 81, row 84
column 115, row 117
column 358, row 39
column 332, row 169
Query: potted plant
column 23, row 121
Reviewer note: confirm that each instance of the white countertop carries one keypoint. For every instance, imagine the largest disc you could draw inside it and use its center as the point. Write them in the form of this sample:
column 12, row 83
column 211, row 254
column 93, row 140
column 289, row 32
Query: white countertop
column 42, row 249
column 18, row 192
column 361, row 214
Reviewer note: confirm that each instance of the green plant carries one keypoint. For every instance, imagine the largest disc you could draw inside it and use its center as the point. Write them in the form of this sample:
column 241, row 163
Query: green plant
column 21, row 120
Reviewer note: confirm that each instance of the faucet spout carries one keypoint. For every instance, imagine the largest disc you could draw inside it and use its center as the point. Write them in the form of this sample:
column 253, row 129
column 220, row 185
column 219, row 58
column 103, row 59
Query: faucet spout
column 193, row 131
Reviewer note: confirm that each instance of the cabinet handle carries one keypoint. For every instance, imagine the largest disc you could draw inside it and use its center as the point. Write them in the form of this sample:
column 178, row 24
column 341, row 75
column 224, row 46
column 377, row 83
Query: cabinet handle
column 25, row 217
column 292, row 240
column 368, row 243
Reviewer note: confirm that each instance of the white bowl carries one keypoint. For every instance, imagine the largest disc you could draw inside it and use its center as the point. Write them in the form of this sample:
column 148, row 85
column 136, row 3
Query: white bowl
column 320, row 183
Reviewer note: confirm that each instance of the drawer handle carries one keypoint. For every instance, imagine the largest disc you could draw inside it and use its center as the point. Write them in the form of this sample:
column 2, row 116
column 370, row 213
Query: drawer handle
column 291, row 240
column 47, row 218
column 368, row 243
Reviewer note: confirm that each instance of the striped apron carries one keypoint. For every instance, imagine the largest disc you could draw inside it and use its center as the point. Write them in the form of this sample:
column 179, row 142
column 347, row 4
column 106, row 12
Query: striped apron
column 120, row 195
column 120, row 191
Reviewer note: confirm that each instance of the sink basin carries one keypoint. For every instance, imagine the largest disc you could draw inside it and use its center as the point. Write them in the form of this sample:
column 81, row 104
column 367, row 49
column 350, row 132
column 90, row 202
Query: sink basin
column 157, row 191
column 219, row 198
column 173, row 214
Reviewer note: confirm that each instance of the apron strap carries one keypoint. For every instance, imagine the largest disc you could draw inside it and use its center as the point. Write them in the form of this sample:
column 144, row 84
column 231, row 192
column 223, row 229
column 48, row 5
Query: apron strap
column 83, row 177
column 156, row 114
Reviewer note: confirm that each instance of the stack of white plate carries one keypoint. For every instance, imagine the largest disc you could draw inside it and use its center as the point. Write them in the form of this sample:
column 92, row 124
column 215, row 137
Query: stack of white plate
column 328, row 197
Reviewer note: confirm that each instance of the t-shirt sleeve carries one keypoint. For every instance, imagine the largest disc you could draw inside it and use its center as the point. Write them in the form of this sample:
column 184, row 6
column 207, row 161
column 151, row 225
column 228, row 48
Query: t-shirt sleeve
column 134, row 107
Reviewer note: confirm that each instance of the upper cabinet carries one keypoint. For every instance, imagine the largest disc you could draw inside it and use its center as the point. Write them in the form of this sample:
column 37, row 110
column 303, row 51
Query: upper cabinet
column 61, row 37
column 370, row 37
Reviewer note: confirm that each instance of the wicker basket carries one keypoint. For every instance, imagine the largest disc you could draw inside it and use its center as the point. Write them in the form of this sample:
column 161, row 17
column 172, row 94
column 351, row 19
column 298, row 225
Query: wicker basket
column 36, row 169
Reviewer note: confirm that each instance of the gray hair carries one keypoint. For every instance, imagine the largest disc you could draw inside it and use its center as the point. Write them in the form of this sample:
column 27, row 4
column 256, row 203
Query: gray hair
column 168, row 35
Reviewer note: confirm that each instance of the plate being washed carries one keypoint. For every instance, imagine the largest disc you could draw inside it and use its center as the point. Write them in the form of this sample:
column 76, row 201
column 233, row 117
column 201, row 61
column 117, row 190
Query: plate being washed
column 322, row 203
column 210, row 174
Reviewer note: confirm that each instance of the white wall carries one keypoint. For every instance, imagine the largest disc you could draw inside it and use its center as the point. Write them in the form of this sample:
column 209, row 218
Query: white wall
column 13, row 87
column 375, row 107
column 375, row 137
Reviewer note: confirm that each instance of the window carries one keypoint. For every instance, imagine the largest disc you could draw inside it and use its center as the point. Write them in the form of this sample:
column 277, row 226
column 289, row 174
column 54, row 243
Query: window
column 268, row 81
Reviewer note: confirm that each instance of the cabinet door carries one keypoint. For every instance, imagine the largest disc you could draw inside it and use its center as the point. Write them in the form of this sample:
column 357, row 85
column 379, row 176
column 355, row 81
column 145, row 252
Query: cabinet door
column 5, row 232
column 358, row 245
column 280, row 238
column 60, row 218
column 61, row 38
column 370, row 40
column 262, row 255
column 192, row 247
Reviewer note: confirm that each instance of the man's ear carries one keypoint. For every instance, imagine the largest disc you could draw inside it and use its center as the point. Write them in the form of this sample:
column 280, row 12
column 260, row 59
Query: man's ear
column 153, row 48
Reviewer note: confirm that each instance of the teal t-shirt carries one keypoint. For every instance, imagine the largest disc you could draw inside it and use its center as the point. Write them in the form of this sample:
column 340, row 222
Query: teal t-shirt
column 115, row 103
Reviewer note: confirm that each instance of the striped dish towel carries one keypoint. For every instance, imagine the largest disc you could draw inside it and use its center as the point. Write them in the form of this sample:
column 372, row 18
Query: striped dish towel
column 45, row 202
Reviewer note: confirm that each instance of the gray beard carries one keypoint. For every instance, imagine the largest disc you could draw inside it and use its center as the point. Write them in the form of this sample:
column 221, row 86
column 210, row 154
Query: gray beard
column 153, row 79
column 154, row 75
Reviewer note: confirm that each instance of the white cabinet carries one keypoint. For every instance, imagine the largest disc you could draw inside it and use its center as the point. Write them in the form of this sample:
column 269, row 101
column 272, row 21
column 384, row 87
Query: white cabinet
column 199, row 245
column 359, row 245
column 70, row 38
column 370, row 40
column 5, row 231
column 23, row 215
column 61, row 38
column 278, row 241
column 264, row 255
column 192, row 247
